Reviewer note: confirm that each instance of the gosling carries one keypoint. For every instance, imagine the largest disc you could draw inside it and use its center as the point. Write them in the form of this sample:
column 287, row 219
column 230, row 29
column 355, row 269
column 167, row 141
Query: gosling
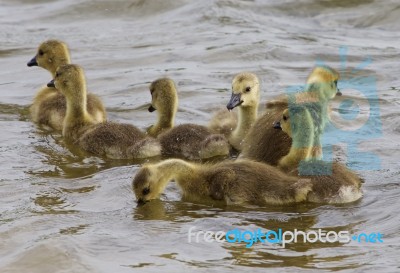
column 238, row 182
column 299, row 121
column 245, row 96
column 265, row 144
column 332, row 181
column 189, row 141
column 49, row 105
column 107, row 139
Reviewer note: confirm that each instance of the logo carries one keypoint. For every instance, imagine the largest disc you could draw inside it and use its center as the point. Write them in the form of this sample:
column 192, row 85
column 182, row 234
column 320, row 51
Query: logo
column 353, row 118
column 280, row 237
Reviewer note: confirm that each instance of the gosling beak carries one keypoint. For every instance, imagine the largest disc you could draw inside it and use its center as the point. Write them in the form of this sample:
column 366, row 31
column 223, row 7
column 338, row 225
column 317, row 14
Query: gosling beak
column 51, row 84
column 140, row 202
column 277, row 125
column 235, row 101
column 151, row 108
column 338, row 93
column 32, row 62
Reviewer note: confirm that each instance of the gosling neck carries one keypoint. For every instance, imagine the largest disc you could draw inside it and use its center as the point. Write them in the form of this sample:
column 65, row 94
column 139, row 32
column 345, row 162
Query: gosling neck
column 187, row 175
column 165, row 120
column 247, row 116
column 76, row 105
column 302, row 145
column 175, row 168
column 76, row 113
column 305, row 147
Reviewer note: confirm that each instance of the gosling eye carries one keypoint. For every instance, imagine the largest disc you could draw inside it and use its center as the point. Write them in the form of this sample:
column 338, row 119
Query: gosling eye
column 248, row 89
column 146, row 191
column 335, row 82
column 57, row 74
column 285, row 118
column 41, row 53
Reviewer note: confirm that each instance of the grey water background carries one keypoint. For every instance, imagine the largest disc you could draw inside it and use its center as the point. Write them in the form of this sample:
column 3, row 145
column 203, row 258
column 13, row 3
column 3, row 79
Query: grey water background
column 61, row 212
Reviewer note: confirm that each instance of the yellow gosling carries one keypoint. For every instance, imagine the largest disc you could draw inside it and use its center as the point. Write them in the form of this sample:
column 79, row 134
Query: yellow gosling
column 239, row 182
column 164, row 98
column 188, row 141
column 245, row 96
column 332, row 182
column 49, row 105
column 108, row 139
column 265, row 144
column 298, row 123
column 321, row 85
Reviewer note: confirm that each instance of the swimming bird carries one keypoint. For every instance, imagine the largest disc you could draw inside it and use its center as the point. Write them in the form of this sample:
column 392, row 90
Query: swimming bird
column 321, row 82
column 49, row 105
column 332, row 182
column 298, row 120
column 188, row 141
column 108, row 139
column 245, row 96
column 230, row 182
column 265, row 144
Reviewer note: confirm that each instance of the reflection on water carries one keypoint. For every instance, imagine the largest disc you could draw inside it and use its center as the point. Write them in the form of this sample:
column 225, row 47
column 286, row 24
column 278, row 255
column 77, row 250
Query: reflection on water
column 66, row 211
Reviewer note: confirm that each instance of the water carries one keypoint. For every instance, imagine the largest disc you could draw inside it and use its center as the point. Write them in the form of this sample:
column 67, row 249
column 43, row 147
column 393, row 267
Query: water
column 60, row 212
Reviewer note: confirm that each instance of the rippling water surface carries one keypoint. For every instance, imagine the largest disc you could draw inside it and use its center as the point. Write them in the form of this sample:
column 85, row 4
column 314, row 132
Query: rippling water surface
column 61, row 212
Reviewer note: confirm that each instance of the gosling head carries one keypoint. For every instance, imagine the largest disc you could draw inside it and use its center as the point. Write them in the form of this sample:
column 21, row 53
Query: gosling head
column 294, row 120
column 70, row 80
column 164, row 96
column 147, row 184
column 284, row 123
column 324, row 80
column 245, row 91
column 50, row 55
